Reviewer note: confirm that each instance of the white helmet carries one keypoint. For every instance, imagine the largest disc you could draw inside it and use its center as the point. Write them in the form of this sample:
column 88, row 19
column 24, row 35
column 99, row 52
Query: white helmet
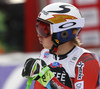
column 61, row 20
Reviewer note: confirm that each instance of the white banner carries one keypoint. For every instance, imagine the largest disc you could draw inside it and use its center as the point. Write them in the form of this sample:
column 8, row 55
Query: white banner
column 86, row 2
column 91, row 16
column 90, row 38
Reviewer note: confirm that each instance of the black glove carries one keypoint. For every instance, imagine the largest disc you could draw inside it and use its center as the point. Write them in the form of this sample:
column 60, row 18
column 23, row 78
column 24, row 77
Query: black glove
column 32, row 67
column 36, row 69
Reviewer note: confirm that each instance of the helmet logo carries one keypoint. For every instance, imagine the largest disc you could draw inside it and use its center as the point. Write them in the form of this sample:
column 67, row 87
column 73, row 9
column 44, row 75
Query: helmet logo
column 75, row 32
column 44, row 12
column 60, row 18
column 66, row 25
column 57, row 41
column 65, row 10
column 64, row 34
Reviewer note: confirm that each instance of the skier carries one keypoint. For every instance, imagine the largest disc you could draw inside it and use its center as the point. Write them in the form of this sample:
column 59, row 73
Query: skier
column 62, row 64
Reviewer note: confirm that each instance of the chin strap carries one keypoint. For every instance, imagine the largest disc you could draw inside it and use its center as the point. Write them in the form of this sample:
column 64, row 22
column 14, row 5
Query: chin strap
column 53, row 50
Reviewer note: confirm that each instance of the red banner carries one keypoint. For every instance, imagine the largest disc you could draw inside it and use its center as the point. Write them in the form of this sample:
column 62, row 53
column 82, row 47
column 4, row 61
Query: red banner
column 31, row 39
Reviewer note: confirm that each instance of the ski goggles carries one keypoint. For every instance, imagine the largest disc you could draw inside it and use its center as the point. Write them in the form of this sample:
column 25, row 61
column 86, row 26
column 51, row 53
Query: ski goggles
column 43, row 28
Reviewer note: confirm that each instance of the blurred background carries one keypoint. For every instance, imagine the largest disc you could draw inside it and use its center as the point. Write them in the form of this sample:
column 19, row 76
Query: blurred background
column 18, row 37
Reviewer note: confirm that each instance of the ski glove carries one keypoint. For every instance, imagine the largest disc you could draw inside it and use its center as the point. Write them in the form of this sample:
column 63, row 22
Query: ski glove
column 36, row 69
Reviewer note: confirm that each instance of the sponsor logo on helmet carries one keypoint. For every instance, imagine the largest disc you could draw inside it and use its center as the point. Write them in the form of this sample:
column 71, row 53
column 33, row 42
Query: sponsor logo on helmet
column 65, row 10
column 75, row 32
column 44, row 12
column 57, row 41
column 60, row 18
column 66, row 25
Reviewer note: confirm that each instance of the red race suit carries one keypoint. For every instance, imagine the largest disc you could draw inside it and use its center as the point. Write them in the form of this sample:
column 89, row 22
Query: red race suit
column 81, row 65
